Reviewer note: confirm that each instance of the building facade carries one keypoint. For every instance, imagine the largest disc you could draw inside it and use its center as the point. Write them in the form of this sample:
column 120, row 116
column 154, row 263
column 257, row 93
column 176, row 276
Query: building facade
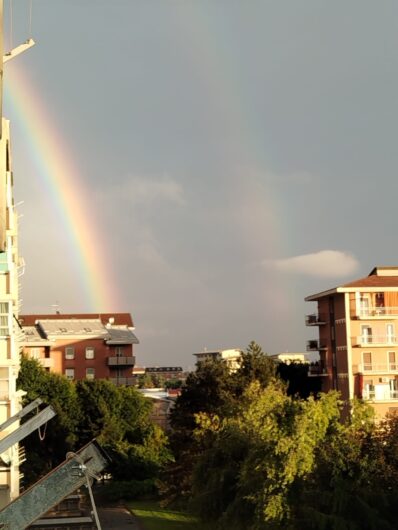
column 82, row 346
column 358, row 339
column 232, row 357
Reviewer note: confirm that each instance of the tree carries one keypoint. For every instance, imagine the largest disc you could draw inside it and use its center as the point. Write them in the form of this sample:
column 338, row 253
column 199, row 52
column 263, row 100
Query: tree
column 245, row 476
column 255, row 365
column 60, row 435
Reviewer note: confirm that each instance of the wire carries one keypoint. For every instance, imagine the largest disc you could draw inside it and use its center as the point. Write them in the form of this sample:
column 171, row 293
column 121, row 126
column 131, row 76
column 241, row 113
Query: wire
column 42, row 435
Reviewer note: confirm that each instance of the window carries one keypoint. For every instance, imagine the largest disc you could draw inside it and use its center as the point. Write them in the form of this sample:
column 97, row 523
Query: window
column 367, row 361
column 90, row 352
column 392, row 363
column 119, row 351
column 4, row 319
column 366, row 334
column 90, row 373
column 69, row 352
column 390, row 333
column 34, row 353
column 70, row 373
column 4, row 389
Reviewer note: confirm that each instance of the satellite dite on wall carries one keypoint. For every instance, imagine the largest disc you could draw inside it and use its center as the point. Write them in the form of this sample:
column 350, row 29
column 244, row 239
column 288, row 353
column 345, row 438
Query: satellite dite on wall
column 9, row 294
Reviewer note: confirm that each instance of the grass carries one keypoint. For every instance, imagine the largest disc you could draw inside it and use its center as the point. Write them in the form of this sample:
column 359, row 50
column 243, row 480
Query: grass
column 155, row 518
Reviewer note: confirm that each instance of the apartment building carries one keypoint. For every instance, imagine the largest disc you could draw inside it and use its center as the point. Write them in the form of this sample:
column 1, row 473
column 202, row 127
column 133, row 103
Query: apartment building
column 232, row 357
column 82, row 346
column 357, row 339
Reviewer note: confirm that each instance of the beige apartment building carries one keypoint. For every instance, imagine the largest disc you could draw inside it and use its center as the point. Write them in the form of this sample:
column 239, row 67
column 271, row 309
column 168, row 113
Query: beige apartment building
column 358, row 339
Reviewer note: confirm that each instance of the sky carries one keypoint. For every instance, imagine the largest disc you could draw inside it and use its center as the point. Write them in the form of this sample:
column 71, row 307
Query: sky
column 204, row 165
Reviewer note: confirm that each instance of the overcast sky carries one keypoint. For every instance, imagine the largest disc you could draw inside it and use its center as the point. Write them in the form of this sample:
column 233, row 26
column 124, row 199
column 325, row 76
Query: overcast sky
column 237, row 156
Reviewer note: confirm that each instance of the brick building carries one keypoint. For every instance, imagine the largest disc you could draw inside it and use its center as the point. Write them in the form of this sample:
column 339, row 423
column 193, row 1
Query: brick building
column 82, row 346
column 357, row 339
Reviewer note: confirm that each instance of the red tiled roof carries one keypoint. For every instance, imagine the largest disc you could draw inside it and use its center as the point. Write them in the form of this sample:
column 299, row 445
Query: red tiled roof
column 121, row 319
column 374, row 281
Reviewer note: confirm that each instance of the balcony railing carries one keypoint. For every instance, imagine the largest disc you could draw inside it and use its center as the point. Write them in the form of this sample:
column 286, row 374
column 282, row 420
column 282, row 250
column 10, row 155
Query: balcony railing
column 375, row 312
column 122, row 381
column 314, row 320
column 374, row 340
column 315, row 345
column 317, row 369
column 121, row 361
column 378, row 368
column 46, row 362
column 385, row 395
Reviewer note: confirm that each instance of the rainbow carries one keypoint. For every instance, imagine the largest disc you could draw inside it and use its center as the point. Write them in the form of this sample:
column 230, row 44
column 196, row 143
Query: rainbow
column 58, row 175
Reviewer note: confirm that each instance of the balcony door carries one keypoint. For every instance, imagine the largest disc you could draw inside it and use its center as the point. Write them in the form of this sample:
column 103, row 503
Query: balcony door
column 392, row 362
column 390, row 333
column 366, row 334
column 367, row 361
column 364, row 305
column 393, row 383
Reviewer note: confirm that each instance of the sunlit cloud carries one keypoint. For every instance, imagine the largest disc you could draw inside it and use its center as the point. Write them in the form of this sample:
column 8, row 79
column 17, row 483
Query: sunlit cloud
column 323, row 264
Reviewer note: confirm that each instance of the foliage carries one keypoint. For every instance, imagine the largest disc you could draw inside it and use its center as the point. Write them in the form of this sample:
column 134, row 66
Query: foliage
column 118, row 417
column 127, row 490
column 295, row 374
column 245, row 476
column 60, row 436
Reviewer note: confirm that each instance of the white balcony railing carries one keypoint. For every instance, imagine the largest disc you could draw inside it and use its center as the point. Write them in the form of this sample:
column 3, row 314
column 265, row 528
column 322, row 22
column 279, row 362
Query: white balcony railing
column 385, row 395
column 378, row 367
column 375, row 312
column 374, row 340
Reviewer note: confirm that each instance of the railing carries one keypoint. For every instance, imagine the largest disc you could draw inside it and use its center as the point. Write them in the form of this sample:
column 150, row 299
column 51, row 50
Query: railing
column 46, row 362
column 315, row 345
column 373, row 311
column 374, row 340
column 122, row 381
column 317, row 369
column 382, row 368
column 314, row 320
column 381, row 396
column 121, row 361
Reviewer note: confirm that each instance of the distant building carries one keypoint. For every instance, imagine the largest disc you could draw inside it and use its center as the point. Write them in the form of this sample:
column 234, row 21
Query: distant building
column 82, row 346
column 357, row 338
column 290, row 358
column 163, row 401
column 166, row 372
column 232, row 357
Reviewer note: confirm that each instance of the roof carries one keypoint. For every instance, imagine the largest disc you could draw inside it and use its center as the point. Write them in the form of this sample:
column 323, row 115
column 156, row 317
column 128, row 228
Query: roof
column 33, row 337
column 121, row 335
column 385, row 278
column 75, row 327
column 123, row 319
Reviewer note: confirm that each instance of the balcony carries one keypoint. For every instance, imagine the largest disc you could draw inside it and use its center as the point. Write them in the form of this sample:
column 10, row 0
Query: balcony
column 375, row 313
column 122, row 381
column 121, row 360
column 365, row 341
column 315, row 345
column 46, row 362
column 373, row 368
column 381, row 394
column 314, row 320
column 317, row 369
